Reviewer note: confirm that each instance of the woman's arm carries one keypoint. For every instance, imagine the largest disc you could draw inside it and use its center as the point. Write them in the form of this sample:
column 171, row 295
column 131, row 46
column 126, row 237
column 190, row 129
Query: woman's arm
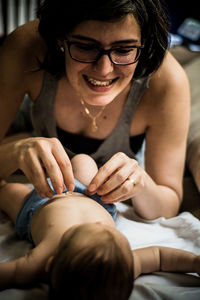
column 155, row 258
column 13, row 82
column 166, row 140
column 165, row 115
column 36, row 157
column 12, row 90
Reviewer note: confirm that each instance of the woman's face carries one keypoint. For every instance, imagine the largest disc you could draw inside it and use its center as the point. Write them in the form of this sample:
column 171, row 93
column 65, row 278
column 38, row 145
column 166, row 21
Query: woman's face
column 100, row 82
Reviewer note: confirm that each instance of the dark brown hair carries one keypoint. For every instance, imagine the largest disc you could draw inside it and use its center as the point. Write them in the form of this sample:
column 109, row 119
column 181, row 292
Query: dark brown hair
column 59, row 17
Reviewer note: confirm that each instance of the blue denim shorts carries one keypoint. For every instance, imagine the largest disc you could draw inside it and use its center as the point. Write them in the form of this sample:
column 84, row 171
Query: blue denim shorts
column 33, row 201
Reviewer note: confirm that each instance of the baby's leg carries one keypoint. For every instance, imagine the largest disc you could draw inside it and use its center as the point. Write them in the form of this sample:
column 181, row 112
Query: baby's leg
column 12, row 196
column 84, row 168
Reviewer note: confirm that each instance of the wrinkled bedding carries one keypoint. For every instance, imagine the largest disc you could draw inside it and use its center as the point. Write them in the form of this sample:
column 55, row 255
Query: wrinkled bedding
column 181, row 232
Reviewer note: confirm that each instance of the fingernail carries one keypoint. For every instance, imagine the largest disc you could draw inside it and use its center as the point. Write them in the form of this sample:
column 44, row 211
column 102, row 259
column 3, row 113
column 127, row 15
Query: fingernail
column 59, row 190
column 88, row 193
column 43, row 196
column 104, row 201
column 92, row 187
column 49, row 195
column 70, row 187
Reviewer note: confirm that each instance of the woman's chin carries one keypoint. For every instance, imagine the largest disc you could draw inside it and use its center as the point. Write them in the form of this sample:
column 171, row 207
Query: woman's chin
column 98, row 100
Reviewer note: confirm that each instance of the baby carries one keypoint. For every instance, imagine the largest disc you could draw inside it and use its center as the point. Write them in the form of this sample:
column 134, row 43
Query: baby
column 78, row 250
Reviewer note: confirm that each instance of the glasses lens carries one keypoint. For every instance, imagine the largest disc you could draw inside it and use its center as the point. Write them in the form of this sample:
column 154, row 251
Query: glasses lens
column 84, row 52
column 125, row 55
column 89, row 53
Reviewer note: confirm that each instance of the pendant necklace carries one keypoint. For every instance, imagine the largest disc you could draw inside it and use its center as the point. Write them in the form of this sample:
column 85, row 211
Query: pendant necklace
column 93, row 126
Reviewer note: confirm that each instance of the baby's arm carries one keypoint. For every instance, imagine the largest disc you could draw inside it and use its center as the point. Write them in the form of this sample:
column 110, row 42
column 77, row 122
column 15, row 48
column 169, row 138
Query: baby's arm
column 15, row 273
column 25, row 271
column 7, row 274
column 156, row 258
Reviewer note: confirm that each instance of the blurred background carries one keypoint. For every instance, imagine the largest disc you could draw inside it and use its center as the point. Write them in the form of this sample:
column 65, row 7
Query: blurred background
column 14, row 13
column 185, row 23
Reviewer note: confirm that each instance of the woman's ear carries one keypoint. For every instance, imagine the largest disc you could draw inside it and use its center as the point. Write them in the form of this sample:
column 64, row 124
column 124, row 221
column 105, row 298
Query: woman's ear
column 61, row 45
column 48, row 263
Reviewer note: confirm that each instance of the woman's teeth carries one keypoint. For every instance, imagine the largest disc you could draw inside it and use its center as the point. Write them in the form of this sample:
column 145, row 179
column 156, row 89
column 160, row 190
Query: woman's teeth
column 99, row 83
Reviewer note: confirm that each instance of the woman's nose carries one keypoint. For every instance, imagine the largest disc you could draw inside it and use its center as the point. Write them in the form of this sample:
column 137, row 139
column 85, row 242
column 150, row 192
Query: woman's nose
column 104, row 65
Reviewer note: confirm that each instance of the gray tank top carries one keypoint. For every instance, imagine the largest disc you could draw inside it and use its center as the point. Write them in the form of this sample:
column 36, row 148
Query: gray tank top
column 44, row 122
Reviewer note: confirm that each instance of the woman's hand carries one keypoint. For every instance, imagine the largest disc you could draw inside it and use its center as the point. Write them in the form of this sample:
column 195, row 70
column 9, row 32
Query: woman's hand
column 40, row 158
column 118, row 179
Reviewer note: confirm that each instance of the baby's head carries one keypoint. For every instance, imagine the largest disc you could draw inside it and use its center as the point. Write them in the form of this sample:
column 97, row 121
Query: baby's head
column 93, row 262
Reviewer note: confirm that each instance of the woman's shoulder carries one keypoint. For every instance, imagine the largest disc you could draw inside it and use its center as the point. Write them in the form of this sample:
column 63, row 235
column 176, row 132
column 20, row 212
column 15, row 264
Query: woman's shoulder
column 19, row 57
column 168, row 91
column 23, row 45
column 170, row 76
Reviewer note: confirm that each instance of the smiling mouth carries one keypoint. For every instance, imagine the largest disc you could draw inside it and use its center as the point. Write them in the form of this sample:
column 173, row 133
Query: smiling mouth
column 100, row 83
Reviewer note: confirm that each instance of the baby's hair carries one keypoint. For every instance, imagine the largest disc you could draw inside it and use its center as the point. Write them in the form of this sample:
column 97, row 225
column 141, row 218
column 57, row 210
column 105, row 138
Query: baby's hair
column 91, row 266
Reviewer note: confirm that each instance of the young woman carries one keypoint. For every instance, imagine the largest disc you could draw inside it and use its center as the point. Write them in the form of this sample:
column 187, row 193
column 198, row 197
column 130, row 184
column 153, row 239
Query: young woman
column 100, row 80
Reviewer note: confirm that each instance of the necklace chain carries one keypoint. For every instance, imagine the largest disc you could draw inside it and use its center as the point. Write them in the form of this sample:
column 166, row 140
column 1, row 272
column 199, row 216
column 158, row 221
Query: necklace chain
column 94, row 126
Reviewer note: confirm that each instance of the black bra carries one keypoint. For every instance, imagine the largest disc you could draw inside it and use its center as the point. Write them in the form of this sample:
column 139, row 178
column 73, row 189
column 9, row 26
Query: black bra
column 81, row 144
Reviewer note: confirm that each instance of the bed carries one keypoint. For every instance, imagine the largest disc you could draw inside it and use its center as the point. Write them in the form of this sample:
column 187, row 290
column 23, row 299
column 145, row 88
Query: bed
column 181, row 232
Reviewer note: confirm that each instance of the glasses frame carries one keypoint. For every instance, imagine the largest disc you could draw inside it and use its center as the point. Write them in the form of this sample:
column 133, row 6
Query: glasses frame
column 102, row 52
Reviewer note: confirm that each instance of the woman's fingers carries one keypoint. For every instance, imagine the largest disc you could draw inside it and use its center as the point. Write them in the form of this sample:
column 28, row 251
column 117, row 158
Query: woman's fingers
column 119, row 179
column 65, row 166
column 107, row 171
column 32, row 168
column 128, row 189
column 113, row 173
column 53, row 171
column 40, row 158
column 58, row 166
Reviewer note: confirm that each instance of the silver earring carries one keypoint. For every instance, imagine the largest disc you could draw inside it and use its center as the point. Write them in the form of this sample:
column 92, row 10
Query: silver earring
column 62, row 49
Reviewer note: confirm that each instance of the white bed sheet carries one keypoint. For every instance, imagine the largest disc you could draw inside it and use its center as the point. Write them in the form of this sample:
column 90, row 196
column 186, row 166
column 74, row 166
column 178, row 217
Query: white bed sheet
column 181, row 232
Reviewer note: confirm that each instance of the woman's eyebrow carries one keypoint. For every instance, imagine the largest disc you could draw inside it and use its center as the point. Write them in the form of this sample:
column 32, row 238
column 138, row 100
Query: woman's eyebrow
column 88, row 39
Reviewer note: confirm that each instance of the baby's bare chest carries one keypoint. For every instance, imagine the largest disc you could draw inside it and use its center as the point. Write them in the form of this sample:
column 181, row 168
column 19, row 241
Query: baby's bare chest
column 56, row 216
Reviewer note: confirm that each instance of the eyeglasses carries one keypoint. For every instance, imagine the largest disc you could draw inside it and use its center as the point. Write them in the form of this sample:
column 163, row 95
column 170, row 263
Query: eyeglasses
column 90, row 53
